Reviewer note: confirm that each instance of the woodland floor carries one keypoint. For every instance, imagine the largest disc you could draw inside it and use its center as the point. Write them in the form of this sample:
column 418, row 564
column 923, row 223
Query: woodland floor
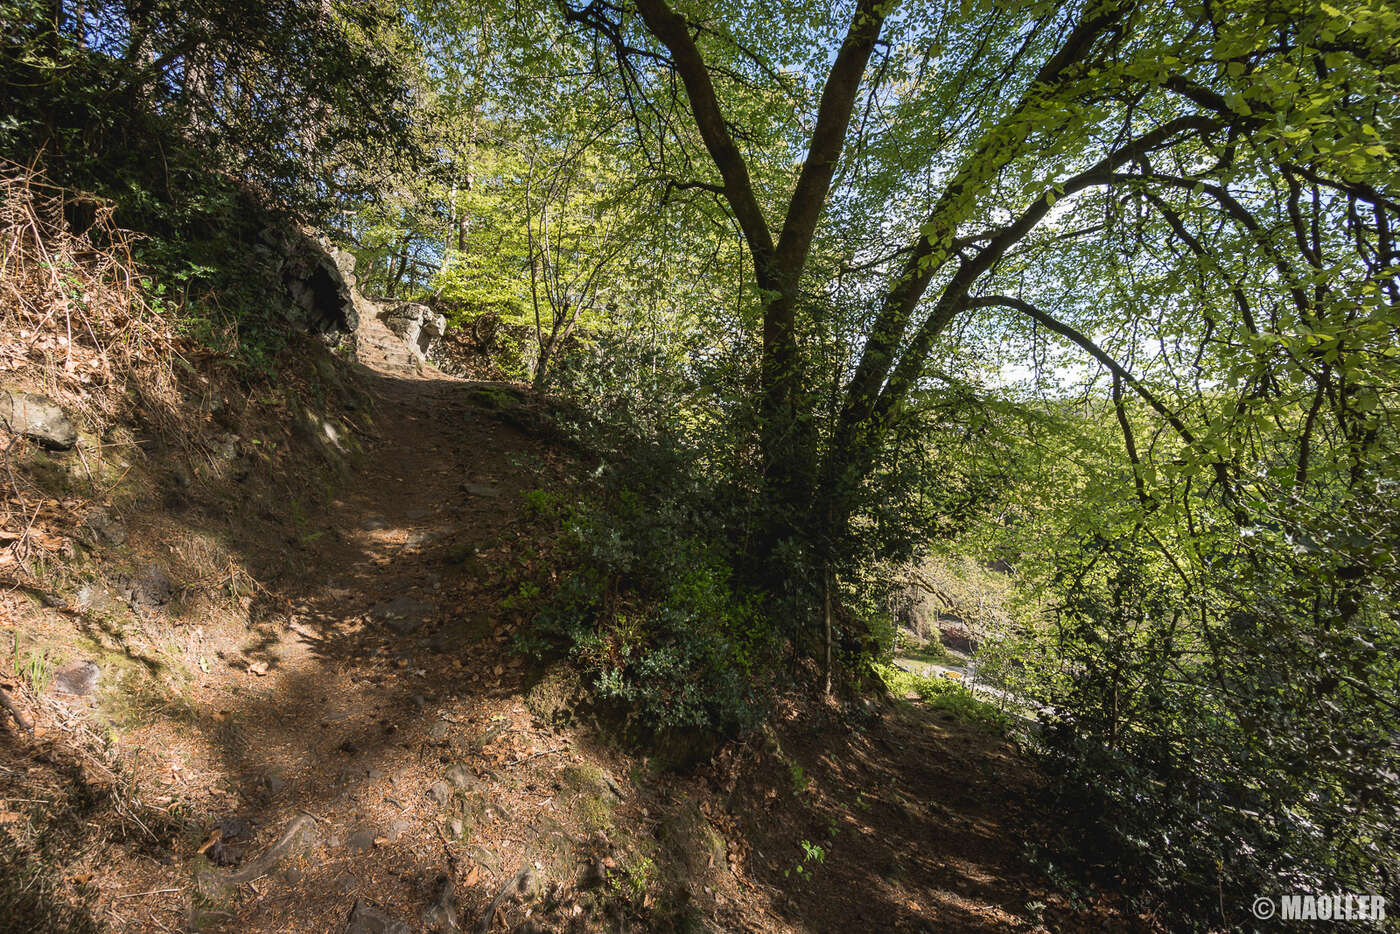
column 378, row 695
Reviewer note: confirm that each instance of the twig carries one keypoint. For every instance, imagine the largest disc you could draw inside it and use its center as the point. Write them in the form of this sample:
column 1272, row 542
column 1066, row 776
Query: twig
column 547, row 752
column 484, row 925
column 151, row 892
column 9, row 704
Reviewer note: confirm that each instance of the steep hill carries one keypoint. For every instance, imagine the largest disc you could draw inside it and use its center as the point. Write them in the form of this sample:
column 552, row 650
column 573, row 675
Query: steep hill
column 264, row 679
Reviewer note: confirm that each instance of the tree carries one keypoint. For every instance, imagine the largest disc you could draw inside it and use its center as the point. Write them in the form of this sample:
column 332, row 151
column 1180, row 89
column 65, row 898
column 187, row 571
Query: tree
column 1017, row 115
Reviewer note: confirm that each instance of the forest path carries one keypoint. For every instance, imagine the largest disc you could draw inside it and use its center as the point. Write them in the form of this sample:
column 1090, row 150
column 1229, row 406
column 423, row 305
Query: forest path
column 385, row 672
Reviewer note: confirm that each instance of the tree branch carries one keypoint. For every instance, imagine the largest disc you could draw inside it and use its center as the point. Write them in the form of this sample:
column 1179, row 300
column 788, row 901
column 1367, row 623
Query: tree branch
column 672, row 31
column 1094, row 350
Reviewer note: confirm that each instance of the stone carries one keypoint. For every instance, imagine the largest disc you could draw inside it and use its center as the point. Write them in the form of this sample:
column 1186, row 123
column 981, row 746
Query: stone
column 320, row 281
column 93, row 597
column 481, row 489
column 461, row 777
column 397, row 829
column 441, row 915
column 416, row 324
column 367, row 919
column 79, row 679
column 225, row 448
column 152, row 587
column 105, row 528
column 374, row 524
column 405, row 615
column 37, row 418
column 361, row 839
column 440, row 792
column 438, row 731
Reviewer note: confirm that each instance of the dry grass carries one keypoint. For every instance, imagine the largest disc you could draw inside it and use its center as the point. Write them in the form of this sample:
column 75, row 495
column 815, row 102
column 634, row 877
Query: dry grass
column 78, row 323
column 75, row 313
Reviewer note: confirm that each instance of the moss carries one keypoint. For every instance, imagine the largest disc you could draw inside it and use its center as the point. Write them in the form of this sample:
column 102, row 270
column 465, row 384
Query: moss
column 554, row 699
column 590, row 793
column 691, row 842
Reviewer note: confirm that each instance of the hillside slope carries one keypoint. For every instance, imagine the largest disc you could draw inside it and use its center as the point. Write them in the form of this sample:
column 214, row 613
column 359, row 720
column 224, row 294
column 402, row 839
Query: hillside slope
column 328, row 729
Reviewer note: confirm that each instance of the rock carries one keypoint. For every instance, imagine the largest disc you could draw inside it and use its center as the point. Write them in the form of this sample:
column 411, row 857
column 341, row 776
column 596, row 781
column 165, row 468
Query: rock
column 320, row 281
column 79, row 678
column 405, row 614
column 374, row 524
column 397, row 829
column 418, row 325
column 367, row 919
column 588, row 779
column 438, row 731
column 441, row 915
column 461, row 777
column 555, row 698
column 690, row 841
column 93, row 597
column 152, row 587
column 440, row 792
column 105, row 528
column 361, row 839
column 481, row 489
column 37, row 418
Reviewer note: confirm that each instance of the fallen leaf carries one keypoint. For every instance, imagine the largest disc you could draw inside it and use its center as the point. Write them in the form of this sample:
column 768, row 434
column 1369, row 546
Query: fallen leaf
column 258, row 668
column 9, row 817
column 473, row 874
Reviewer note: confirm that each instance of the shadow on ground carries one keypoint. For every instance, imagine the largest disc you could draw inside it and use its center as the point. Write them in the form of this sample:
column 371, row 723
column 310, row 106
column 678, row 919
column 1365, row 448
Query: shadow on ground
column 375, row 701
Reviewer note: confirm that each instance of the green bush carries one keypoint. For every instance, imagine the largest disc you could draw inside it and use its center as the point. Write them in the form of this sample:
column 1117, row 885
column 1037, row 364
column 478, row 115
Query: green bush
column 1245, row 745
column 945, row 695
column 650, row 614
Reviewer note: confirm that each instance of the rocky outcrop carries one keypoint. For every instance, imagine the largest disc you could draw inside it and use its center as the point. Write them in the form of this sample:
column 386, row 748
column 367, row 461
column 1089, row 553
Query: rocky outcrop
column 319, row 278
column 37, row 418
column 418, row 325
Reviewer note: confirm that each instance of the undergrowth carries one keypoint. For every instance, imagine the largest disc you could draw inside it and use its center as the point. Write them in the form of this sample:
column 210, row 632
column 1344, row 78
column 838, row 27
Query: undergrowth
column 945, row 695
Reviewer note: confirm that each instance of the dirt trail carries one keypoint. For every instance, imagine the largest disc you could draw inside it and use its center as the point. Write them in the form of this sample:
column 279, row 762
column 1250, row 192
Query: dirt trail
column 393, row 669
